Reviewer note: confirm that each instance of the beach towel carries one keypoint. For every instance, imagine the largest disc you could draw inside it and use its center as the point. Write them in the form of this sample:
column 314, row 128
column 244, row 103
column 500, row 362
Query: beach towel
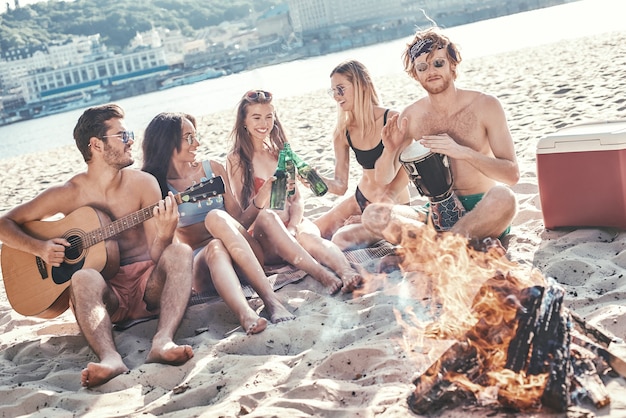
column 281, row 275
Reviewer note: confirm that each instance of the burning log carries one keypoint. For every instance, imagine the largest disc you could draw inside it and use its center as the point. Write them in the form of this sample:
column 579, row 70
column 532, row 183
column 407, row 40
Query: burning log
column 514, row 337
column 521, row 345
column 551, row 351
column 433, row 391
column 517, row 355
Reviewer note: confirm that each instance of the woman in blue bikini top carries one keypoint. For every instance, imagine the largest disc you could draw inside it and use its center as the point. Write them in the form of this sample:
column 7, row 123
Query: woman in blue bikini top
column 215, row 228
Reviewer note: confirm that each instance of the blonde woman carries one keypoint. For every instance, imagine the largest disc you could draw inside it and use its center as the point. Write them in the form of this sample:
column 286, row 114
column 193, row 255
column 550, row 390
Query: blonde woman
column 360, row 120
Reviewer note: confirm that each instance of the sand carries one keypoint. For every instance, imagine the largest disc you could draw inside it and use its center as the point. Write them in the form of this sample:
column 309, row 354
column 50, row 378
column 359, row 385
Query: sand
column 342, row 355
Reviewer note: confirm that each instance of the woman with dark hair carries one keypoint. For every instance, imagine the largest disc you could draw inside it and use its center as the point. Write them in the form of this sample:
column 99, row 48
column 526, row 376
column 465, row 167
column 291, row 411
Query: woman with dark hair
column 213, row 228
column 360, row 120
column 258, row 136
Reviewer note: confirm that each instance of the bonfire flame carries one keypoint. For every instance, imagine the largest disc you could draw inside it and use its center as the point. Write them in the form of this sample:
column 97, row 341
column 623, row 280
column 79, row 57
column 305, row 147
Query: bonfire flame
column 474, row 297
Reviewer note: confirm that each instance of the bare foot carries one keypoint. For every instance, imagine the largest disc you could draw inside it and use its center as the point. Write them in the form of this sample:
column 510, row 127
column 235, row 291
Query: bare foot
column 254, row 325
column 96, row 374
column 278, row 312
column 351, row 280
column 329, row 280
column 169, row 353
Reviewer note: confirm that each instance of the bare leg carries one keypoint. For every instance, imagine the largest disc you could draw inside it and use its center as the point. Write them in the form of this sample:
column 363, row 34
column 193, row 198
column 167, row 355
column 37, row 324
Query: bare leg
column 354, row 236
column 169, row 288
column 388, row 221
column 490, row 217
column 331, row 221
column 330, row 253
column 238, row 247
column 219, row 269
column 90, row 298
column 280, row 245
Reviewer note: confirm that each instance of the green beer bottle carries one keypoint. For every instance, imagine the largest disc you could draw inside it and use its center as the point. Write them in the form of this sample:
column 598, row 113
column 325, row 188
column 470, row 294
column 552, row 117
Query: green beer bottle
column 279, row 187
column 317, row 185
column 290, row 168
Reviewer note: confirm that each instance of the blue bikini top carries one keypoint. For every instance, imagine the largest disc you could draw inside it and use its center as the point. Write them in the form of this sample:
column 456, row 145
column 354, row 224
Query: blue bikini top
column 194, row 212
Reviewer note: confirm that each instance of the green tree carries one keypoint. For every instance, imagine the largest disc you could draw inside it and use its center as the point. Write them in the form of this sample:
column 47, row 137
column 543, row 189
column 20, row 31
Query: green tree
column 116, row 21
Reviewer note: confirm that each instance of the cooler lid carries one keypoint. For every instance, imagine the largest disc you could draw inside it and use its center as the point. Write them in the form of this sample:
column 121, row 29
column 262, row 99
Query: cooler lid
column 594, row 136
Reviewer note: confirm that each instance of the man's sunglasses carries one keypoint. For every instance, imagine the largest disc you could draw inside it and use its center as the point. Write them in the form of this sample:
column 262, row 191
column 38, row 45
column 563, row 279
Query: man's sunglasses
column 125, row 136
column 423, row 66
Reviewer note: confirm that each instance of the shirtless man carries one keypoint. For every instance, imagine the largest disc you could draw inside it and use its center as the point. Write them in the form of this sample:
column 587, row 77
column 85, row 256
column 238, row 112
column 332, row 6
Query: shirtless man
column 155, row 274
column 468, row 126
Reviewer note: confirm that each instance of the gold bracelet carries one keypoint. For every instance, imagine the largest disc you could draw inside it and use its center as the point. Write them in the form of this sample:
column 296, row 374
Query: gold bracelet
column 254, row 204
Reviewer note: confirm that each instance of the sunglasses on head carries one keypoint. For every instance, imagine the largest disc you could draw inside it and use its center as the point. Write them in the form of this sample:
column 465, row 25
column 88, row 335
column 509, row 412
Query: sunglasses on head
column 259, row 95
column 339, row 90
column 125, row 136
column 423, row 66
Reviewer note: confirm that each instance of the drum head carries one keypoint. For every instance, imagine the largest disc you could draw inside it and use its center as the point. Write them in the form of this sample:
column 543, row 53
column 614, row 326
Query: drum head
column 414, row 152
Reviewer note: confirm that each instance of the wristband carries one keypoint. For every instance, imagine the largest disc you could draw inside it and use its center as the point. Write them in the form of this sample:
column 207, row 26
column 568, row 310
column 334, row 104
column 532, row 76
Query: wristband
column 254, row 204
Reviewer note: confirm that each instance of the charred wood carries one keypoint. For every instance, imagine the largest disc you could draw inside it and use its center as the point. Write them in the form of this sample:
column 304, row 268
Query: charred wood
column 556, row 394
column 599, row 335
column 433, row 391
column 519, row 347
column 586, row 383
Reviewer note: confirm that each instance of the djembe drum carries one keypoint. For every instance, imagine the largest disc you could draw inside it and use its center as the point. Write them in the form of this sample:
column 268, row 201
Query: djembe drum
column 431, row 174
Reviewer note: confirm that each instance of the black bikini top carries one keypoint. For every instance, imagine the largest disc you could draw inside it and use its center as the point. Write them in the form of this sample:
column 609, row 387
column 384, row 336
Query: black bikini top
column 368, row 158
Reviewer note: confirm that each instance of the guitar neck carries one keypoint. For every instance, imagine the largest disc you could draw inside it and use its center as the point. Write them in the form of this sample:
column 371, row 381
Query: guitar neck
column 118, row 226
column 196, row 193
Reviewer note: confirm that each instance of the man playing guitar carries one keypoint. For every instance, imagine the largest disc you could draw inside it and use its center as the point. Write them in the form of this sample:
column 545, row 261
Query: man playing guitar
column 153, row 272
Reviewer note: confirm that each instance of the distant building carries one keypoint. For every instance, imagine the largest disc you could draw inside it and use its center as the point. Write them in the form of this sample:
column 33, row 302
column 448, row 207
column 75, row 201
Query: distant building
column 18, row 63
column 274, row 23
column 174, row 43
column 80, row 64
column 92, row 75
column 310, row 16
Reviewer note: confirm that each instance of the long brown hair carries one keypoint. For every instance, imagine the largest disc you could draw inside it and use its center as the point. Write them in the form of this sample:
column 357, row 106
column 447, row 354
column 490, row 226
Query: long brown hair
column 162, row 136
column 242, row 146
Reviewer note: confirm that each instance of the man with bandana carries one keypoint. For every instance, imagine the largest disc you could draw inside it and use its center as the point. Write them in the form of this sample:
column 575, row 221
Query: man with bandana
column 469, row 128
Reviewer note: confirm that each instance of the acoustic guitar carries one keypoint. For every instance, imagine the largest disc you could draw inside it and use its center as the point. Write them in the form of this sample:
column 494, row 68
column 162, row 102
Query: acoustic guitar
column 35, row 288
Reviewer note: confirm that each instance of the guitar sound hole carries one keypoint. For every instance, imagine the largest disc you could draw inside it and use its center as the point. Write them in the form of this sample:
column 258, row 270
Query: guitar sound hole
column 74, row 251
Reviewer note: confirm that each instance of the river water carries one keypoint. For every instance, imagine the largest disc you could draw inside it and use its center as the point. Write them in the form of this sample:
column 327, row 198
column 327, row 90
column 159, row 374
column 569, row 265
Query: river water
column 542, row 26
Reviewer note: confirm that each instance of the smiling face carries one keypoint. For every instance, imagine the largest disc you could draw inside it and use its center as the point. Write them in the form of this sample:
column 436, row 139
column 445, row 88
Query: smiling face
column 188, row 149
column 339, row 84
column 259, row 120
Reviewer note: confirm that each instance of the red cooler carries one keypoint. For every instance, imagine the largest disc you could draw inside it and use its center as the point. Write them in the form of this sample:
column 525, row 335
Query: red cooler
column 581, row 172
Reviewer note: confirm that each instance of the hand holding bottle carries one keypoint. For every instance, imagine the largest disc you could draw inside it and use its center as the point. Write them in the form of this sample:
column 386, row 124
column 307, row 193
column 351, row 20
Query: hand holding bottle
column 279, row 186
column 314, row 181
